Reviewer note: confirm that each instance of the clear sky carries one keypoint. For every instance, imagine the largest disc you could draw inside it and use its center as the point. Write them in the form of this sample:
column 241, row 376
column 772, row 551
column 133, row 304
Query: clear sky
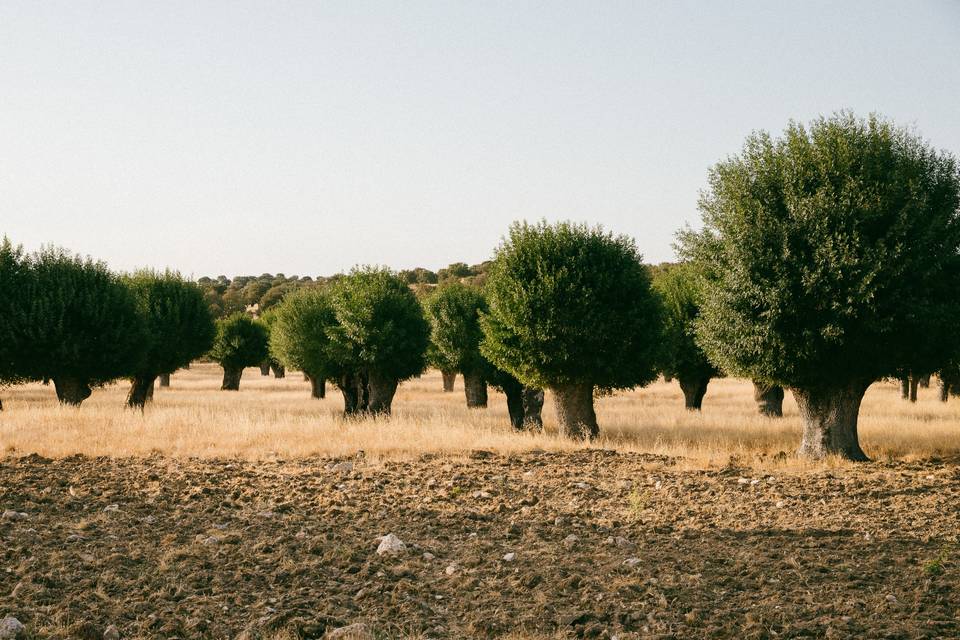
column 305, row 137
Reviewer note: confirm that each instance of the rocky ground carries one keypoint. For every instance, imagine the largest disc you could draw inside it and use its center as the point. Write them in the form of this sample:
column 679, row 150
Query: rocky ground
column 587, row 544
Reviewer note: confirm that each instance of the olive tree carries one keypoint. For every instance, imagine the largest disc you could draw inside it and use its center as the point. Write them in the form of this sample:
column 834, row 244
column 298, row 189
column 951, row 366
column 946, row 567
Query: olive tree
column 14, row 277
column 680, row 355
column 79, row 325
column 178, row 326
column 381, row 336
column 832, row 260
column 454, row 313
column 571, row 310
column 240, row 342
column 300, row 337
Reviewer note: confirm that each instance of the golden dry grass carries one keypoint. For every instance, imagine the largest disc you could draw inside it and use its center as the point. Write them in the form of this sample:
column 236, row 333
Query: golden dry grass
column 271, row 418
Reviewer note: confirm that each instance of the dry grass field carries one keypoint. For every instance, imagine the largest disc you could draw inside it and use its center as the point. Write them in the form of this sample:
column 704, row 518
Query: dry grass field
column 253, row 515
column 270, row 418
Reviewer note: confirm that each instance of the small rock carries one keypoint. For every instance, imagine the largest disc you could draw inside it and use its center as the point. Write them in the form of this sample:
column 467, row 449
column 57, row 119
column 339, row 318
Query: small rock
column 210, row 541
column 11, row 629
column 358, row 631
column 631, row 562
column 74, row 537
column 111, row 508
column 481, row 494
column 581, row 485
column 755, row 481
column 559, row 521
column 342, row 467
column 149, row 520
column 451, row 569
column 743, row 480
column 111, row 633
column 510, row 557
column 428, row 556
column 10, row 514
column 570, row 541
column 780, row 504
column 390, row 544
column 892, row 599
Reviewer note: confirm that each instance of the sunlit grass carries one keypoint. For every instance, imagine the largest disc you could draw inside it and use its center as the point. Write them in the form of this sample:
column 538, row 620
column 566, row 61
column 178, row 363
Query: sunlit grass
column 270, row 418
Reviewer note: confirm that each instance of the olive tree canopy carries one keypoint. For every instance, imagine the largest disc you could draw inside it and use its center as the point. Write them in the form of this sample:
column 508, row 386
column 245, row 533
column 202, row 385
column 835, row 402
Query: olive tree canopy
column 832, row 260
column 572, row 310
column 240, row 342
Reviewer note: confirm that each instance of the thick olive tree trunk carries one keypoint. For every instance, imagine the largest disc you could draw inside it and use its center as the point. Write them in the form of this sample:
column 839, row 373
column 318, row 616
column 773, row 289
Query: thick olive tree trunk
column 318, row 387
column 140, row 388
column 279, row 371
column 186, row 366
column 72, row 391
column 574, row 403
column 693, row 391
column 830, row 421
column 769, row 399
column 904, row 388
column 231, row 378
column 914, row 383
column 449, row 379
column 382, row 389
column 532, row 408
column 514, row 392
column 475, row 389
column 265, row 368
column 925, row 381
column 944, row 391
column 355, row 393
column 164, row 379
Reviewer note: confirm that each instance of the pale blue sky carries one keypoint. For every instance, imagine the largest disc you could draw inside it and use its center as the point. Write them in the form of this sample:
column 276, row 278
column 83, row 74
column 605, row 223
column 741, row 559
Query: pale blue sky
column 305, row 137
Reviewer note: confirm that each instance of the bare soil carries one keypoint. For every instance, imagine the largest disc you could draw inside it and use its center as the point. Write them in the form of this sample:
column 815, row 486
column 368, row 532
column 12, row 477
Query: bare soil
column 605, row 545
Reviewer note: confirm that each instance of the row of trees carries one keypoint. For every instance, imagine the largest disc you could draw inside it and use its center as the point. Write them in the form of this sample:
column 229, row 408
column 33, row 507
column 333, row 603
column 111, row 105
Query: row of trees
column 828, row 259
column 71, row 321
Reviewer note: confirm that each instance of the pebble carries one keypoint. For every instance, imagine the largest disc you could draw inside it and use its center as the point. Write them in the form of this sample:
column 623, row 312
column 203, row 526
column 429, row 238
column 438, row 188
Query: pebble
column 743, row 480
column 570, row 541
column 481, row 494
column 892, row 599
column 631, row 562
column 510, row 557
column 342, row 467
column 111, row 508
column 428, row 556
column 451, row 569
column 780, row 504
column 111, row 633
column 9, row 514
column 358, row 631
column 11, row 629
column 390, row 544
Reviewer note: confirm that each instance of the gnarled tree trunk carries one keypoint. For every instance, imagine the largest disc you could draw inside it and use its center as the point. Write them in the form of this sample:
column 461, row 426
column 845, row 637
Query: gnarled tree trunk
column 925, row 381
column 265, row 368
column 355, row 392
column 532, row 408
column 72, row 391
column 475, row 389
column 944, row 391
column 769, row 399
column 694, row 388
column 575, row 413
column 514, row 392
column 449, row 379
column 318, row 387
column 140, row 391
column 164, row 379
column 830, row 421
column 382, row 389
column 279, row 371
column 914, row 382
column 905, row 388
column 231, row 378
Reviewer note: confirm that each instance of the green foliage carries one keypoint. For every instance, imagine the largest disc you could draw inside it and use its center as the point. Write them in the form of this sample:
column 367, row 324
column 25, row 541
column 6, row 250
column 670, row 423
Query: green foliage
column 14, row 277
column 300, row 333
column 831, row 255
column 680, row 355
column 178, row 324
column 78, row 320
column 571, row 304
column 380, row 324
column 240, row 342
column 454, row 313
